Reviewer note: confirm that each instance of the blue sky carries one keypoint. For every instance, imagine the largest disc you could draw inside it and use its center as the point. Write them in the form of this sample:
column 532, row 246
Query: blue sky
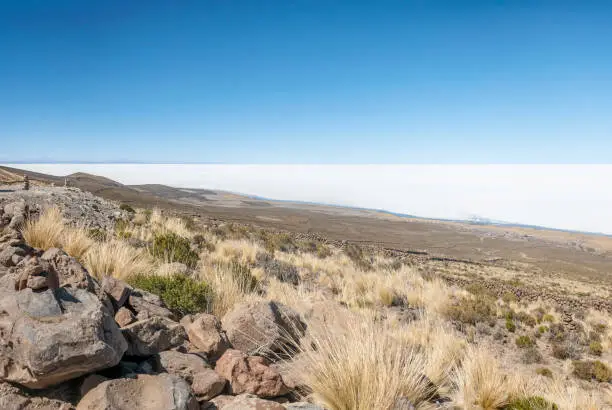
column 306, row 81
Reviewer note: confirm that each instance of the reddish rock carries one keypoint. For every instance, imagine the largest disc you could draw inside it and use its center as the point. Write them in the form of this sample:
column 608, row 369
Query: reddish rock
column 250, row 374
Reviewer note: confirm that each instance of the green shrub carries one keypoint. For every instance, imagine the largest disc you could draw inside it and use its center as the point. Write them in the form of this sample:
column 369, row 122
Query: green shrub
column 524, row 341
column 180, row 293
column 275, row 241
column 471, row 311
column 531, row 403
column 557, row 332
column 592, row 370
column 127, row 208
column 595, row 348
column 548, row 318
column 170, row 247
column 544, row 371
column 510, row 326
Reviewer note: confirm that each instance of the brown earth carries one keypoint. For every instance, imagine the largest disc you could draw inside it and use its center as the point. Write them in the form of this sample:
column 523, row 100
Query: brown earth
column 534, row 254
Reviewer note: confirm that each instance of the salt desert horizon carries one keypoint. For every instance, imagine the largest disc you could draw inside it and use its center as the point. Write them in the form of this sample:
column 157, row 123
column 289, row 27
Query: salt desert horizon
column 569, row 197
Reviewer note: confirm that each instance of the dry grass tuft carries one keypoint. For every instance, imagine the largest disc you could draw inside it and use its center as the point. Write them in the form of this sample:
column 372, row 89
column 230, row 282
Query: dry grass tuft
column 481, row 384
column 75, row 241
column 228, row 288
column 44, row 232
column 363, row 368
column 116, row 258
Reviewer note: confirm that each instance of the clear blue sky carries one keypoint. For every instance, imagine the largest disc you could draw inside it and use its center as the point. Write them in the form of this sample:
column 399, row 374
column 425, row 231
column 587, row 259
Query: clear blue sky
column 329, row 81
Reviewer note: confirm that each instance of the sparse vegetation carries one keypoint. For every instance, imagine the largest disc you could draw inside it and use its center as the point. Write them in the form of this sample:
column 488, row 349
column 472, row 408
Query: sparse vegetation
column 595, row 348
column 170, row 247
column 592, row 370
column 471, row 310
column 524, row 342
column 127, row 208
column 180, row 293
column 531, row 403
column 544, row 371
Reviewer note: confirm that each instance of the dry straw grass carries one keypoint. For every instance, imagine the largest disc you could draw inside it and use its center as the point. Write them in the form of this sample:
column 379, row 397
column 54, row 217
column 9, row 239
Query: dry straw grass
column 362, row 368
column 44, row 232
column 75, row 242
column 116, row 258
column 228, row 289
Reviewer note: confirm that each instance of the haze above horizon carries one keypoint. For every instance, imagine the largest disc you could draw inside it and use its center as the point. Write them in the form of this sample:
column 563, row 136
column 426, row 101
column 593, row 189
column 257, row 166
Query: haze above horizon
column 306, row 81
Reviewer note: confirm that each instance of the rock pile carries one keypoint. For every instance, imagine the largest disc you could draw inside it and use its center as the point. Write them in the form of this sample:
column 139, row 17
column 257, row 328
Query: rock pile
column 69, row 341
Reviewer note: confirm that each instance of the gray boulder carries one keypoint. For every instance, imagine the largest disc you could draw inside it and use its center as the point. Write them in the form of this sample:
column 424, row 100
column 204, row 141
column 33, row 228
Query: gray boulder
column 204, row 381
column 151, row 336
column 51, row 336
column 263, row 327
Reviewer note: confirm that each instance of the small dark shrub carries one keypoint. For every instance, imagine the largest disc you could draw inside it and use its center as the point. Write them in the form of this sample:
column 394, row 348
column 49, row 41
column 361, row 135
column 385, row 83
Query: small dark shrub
column 171, row 247
column 532, row 355
column 97, row 234
column 595, row 348
column 510, row 326
column 283, row 271
column 509, row 297
column 242, row 274
column 524, row 341
column 592, row 370
column 127, row 208
column 526, row 319
column 531, row 403
column 358, row 256
column 201, row 243
column 544, row 371
column 471, row 311
column 315, row 247
column 557, row 332
column 180, row 293
column 568, row 349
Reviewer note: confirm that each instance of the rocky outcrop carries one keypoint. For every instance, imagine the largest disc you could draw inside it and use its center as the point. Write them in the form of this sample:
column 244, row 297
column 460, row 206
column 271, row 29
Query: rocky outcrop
column 206, row 335
column 53, row 327
column 250, row 374
column 204, row 381
column 263, row 327
column 161, row 392
column 11, row 398
column 151, row 336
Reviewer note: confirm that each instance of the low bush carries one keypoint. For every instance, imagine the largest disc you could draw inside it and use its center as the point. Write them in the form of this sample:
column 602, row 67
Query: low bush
column 524, row 342
column 127, row 208
column 548, row 318
column 317, row 248
column 526, row 319
column 471, row 310
column 170, row 247
column 358, row 257
column 509, row 297
column 557, row 332
column 544, row 371
column 595, row 348
column 531, row 403
column 568, row 349
column 275, row 241
column 510, row 326
column 200, row 241
column 180, row 293
column 592, row 370
column 532, row 355
column 283, row 271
